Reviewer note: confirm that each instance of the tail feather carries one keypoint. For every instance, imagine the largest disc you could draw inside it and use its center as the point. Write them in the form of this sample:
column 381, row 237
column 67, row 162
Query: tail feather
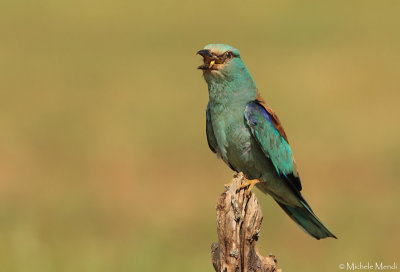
column 307, row 220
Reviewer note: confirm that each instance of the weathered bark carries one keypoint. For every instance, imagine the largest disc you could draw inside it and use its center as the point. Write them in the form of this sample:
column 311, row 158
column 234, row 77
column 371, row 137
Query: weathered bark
column 239, row 220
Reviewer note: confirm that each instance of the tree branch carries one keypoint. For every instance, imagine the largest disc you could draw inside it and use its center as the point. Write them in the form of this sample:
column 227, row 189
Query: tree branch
column 239, row 220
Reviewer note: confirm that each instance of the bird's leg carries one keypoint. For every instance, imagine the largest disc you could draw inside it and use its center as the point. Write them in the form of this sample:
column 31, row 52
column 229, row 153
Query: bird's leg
column 249, row 183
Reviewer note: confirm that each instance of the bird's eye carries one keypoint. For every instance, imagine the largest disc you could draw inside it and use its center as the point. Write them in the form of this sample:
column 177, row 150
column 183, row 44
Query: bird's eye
column 229, row 55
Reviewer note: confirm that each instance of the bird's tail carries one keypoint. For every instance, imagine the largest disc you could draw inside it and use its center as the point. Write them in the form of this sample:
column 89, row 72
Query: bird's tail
column 307, row 220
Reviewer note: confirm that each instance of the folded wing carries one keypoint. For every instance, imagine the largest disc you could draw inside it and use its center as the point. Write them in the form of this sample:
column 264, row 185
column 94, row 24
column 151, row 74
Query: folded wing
column 268, row 131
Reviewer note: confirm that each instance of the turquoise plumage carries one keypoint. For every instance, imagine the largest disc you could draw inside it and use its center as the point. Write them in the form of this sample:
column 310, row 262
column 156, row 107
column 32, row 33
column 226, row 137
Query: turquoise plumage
column 249, row 137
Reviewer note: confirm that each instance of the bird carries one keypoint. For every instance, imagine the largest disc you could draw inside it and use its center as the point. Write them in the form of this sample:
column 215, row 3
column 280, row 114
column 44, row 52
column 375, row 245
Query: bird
column 248, row 136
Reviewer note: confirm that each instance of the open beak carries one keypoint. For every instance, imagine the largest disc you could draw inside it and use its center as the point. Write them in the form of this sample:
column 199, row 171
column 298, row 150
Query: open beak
column 204, row 53
column 209, row 59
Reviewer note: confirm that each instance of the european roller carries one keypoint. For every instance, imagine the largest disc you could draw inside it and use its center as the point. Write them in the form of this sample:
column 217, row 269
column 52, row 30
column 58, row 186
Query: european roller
column 248, row 136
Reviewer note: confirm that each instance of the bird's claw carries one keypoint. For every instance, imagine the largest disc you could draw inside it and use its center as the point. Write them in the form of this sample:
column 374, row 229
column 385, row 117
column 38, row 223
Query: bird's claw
column 250, row 184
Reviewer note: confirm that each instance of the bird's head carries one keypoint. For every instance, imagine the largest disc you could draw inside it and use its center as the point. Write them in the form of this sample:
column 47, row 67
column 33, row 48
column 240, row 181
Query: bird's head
column 220, row 61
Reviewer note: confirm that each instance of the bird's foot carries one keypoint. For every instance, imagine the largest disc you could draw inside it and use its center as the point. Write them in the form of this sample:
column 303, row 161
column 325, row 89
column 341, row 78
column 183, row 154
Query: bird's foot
column 250, row 184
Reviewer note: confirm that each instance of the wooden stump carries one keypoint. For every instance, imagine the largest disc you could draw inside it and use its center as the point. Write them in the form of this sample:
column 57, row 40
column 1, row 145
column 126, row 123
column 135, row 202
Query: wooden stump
column 239, row 220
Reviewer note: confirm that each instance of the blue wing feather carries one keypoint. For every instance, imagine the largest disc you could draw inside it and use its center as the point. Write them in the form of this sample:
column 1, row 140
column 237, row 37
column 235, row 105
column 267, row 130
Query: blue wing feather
column 211, row 140
column 274, row 146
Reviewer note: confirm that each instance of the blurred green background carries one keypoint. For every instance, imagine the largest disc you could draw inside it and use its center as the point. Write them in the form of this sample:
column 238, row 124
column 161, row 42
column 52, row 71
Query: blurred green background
column 104, row 164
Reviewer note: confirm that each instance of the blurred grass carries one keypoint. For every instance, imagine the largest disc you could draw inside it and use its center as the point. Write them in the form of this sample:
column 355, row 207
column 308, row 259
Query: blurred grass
column 104, row 164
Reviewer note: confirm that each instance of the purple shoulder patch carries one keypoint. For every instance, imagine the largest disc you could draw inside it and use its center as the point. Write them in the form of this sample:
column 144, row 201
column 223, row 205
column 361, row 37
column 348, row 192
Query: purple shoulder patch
column 254, row 107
